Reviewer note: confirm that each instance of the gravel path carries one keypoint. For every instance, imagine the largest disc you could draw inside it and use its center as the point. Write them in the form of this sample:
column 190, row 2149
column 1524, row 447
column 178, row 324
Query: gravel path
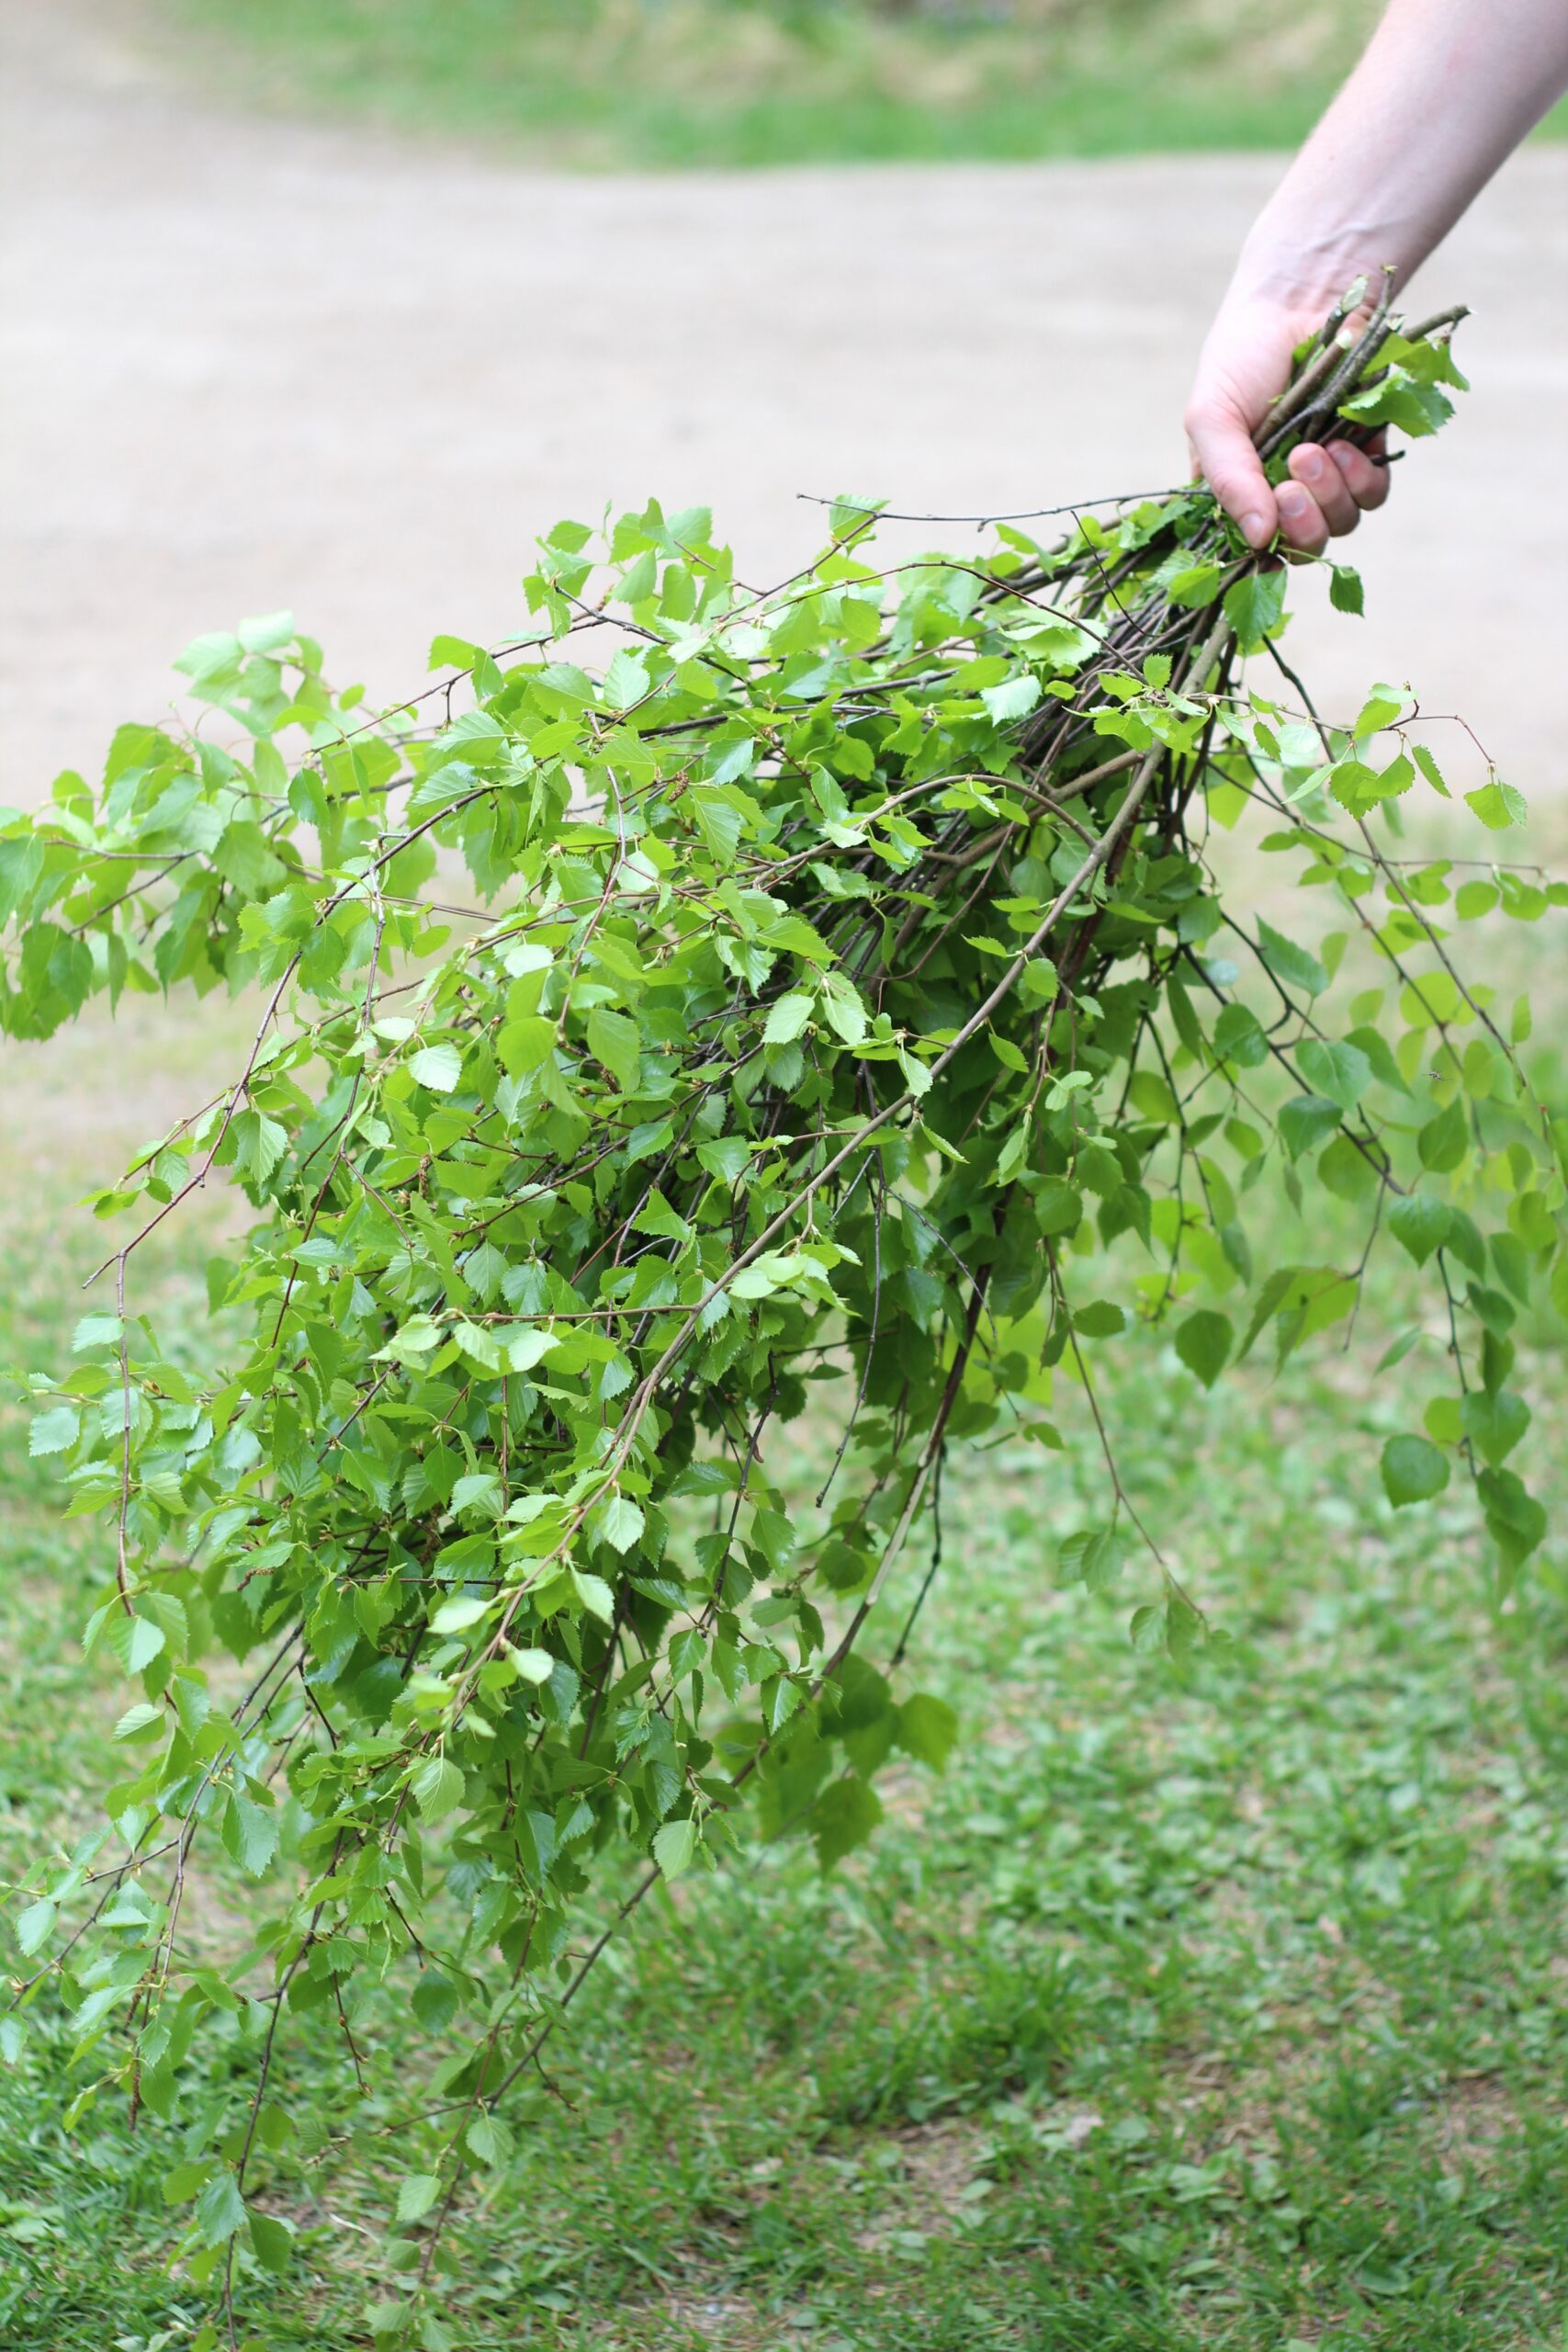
column 249, row 363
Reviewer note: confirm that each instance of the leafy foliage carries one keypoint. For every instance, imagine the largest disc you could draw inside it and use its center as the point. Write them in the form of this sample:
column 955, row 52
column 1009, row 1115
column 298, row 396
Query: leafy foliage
column 831, row 995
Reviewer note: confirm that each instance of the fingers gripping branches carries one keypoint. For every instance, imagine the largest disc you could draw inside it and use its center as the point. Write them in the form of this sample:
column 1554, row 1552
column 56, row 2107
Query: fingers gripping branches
column 839, row 1003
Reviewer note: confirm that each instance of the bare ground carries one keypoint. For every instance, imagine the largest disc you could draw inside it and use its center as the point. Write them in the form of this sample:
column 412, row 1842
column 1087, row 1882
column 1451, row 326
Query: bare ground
column 251, row 363
column 246, row 363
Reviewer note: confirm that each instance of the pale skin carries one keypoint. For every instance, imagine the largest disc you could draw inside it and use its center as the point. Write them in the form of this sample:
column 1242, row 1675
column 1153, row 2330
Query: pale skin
column 1444, row 92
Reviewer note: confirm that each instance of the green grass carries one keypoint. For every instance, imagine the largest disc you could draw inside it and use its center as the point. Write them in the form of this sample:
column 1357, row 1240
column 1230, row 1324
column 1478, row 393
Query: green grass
column 654, row 83
column 719, row 82
column 1211, row 2002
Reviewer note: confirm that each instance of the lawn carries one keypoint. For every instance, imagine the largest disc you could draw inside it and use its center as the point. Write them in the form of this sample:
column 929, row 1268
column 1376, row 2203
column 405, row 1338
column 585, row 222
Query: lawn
column 636, row 83
column 1205, row 2003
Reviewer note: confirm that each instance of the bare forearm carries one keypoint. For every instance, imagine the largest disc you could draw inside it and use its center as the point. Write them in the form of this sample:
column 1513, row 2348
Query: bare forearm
column 1447, row 88
column 1444, row 91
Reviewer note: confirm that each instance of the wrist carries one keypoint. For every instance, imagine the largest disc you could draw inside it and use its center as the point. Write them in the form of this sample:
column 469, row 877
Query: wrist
column 1304, row 274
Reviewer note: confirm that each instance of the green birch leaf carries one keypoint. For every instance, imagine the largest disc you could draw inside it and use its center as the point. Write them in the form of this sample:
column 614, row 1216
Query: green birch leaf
column 1445, row 1139
column 272, row 2242
column 1254, row 607
column 596, row 1595
column 250, row 1833
column 438, row 1788
column 1420, row 1222
column 620, row 1522
column 1340, row 1071
column 787, row 1018
column 489, row 2139
column 614, row 1040
column 53, row 1431
column 1093, row 1557
column 34, row 1925
column 135, row 1641
column 674, row 1846
column 1305, row 1121
column 1204, row 1342
column 1498, row 805
column 259, row 1144
column 1296, row 966
column 526, row 1043
column 220, row 2209
column 1014, row 698
column 437, row 1067
column 843, row 1818
column 1414, row 1470
column 927, row 1728
column 1494, row 1424
column 417, row 2192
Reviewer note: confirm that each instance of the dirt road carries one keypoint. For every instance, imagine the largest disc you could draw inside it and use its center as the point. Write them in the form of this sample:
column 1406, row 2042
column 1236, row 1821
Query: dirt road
column 248, row 363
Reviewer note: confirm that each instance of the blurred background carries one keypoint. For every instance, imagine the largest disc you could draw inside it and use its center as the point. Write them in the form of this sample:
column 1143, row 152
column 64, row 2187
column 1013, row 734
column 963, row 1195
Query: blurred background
column 335, row 304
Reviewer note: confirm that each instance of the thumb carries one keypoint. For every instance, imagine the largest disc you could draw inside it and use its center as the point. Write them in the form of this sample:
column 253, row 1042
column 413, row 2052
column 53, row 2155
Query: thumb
column 1222, row 453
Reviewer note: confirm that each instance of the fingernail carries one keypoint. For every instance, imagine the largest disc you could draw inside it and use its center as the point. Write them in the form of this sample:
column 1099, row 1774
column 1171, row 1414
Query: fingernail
column 1254, row 530
column 1312, row 464
column 1293, row 502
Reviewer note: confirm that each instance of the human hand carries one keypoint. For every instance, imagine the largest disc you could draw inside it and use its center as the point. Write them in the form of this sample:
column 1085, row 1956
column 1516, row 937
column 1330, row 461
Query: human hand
column 1244, row 364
